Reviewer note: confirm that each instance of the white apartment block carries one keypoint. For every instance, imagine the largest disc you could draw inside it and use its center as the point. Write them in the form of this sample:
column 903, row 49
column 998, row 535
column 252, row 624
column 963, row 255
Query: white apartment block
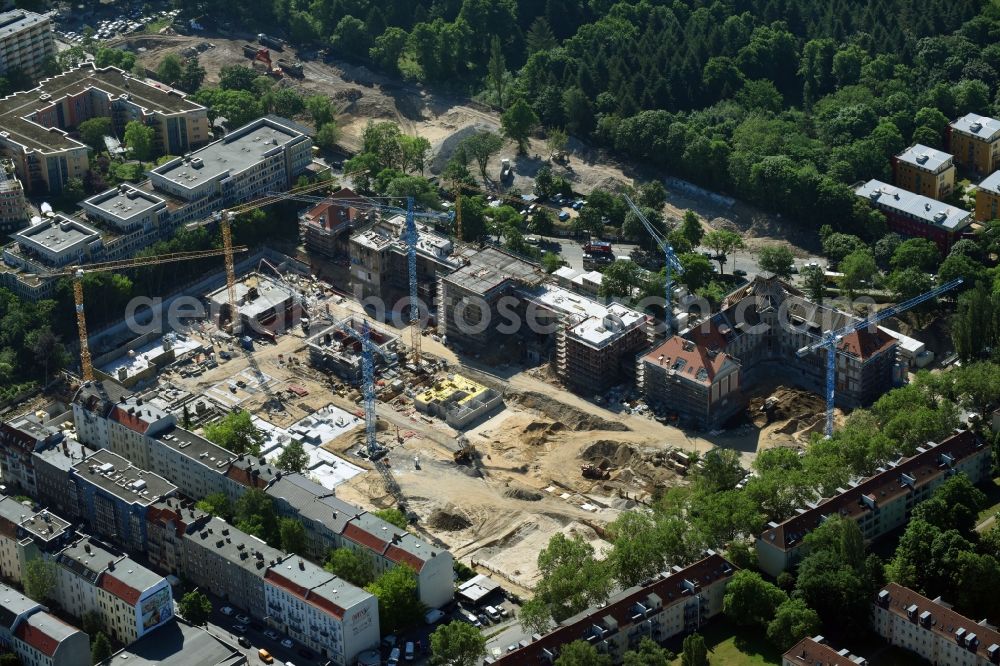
column 130, row 599
column 676, row 602
column 321, row 611
column 931, row 629
column 36, row 636
column 880, row 503
column 26, row 42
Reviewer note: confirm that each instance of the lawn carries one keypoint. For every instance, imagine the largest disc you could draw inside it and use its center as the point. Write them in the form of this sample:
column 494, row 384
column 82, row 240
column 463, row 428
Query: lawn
column 734, row 646
column 992, row 491
column 154, row 27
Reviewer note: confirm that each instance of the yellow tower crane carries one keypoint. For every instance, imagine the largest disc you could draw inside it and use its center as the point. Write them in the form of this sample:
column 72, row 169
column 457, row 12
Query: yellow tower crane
column 76, row 273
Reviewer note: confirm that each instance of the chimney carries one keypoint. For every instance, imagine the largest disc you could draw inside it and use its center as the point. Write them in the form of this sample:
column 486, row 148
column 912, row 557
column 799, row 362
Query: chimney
column 111, row 565
column 302, row 565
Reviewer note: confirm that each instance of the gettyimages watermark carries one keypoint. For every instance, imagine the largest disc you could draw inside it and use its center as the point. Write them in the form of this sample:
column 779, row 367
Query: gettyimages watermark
column 508, row 315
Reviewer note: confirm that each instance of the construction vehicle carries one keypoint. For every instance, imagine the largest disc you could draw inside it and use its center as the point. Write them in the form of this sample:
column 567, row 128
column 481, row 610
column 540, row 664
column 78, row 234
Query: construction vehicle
column 273, row 42
column 76, row 273
column 250, row 50
column 263, row 56
column 291, row 67
column 594, row 472
column 465, row 455
column 831, row 339
column 506, row 171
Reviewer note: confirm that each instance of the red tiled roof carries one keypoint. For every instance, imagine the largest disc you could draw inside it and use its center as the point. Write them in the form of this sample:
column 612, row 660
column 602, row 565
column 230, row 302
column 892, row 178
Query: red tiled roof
column 670, row 590
column 37, row 638
column 810, row 652
column 322, row 603
column 400, row 556
column 243, row 477
column 116, row 587
column 944, row 621
column 321, row 214
column 130, row 421
column 865, row 344
column 883, row 487
column 366, row 539
column 695, row 358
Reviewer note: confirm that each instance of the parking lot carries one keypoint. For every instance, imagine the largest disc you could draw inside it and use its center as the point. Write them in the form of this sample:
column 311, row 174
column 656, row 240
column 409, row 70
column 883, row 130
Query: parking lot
column 70, row 28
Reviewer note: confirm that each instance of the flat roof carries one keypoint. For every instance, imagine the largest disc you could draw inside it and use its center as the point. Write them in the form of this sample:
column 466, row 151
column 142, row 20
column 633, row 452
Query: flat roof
column 17, row 109
column 13, row 603
column 991, row 183
column 123, row 202
column 492, row 267
column 57, row 234
column 316, row 585
column 236, row 152
column 930, row 211
column 16, row 20
column 267, row 294
column 595, row 323
column 197, row 448
column 43, row 525
column 973, row 124
column 117, row 476
column 925, row 157
column 177, row 644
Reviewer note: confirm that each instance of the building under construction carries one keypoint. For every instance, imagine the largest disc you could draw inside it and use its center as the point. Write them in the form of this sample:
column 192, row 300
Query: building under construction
column 706, row 374
column 337, row 349
column 500, row 303
column 326, row 227
column 265, row 305
column 458, row 400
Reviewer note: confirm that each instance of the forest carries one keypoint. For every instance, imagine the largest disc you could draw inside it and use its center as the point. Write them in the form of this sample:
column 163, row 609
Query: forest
column 782, row 103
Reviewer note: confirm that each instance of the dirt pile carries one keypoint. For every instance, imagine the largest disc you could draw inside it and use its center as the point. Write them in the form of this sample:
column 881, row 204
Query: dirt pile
column 572, row 418
column 448, row 521
column 616, row 454
column 538, row 433
column 786, row 413
column 517, row 491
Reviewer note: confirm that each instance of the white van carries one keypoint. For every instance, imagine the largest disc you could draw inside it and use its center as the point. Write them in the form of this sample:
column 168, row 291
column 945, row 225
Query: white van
column 393, row 657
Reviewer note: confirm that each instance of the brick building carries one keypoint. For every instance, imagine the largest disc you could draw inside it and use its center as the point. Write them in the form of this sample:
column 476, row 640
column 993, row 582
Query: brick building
column 916, row 215
column 924, row 170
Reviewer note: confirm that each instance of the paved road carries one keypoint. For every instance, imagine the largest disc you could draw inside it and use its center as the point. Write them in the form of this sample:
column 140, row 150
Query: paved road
column 222, row 627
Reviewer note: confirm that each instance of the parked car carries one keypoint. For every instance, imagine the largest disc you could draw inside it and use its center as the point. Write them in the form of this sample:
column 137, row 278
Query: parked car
column 265, row 656
column 563, row 216
column 240, row 628
column 492, row 613
column 433, row 615
column 484, row 620
column 408, row 652
column 739, row 272
column 272, row 634
column 287, row 643
column 227, row 610
column 393, row 657
column 242, row 619
column 244, row 641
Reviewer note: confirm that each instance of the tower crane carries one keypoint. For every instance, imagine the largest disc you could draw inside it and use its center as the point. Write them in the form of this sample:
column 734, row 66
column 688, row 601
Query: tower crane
column 830, row 339
column 671, row 263
column 76, row 273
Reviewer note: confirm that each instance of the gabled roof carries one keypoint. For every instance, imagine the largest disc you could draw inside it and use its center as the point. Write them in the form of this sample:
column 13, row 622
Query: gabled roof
column 126, row 593
column 694, row 362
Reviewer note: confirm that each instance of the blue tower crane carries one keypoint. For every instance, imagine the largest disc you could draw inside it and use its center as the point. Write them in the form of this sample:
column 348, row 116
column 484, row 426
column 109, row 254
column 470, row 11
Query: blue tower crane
column 830, row 339
column 671, row 263
column 368, row 391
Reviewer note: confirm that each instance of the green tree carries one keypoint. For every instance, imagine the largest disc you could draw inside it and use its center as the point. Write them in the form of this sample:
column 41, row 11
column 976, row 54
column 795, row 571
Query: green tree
column 581, row 653
column 293, row 536
column 648, row 654
column 518, row 122
column 691, row 229
column 792, row 622
column 393, row 516
column 293, row 459
column 237, row 433
column 571, row 580
column 776, row 259
column 918, row 253
column 192, row 77
column 100, row 648
column 836, row 246
column 960, row 266
column 722, row 243
column 858, row 269
column 93, row 131
column 653, row 195
column 327, row 135
column 139, row 139
column 170, row 70
column 815, row 282
column 751, row 601
column 388, row 48
column 620, row 278
column 694, row 651
column 350, row 37
column 40, row 579
column 458, row 644
column 255, row 514
column 195, row 607
column 975, row 328
column 399, row 606
column 556, row 142
column 414, row 153
column 10, row 659
column 319, row 109
column 579, row 112
column 496, row 71
column 481, row 147
column 216, row 504
column 353, row 566
column 908, row 282
column 539, row 36
column 698, row 271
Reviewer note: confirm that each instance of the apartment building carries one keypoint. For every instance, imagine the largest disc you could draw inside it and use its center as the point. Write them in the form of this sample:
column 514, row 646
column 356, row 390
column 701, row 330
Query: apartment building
column 230, row 563
column 36, row 636
column 675, row 602
column 26, row 534
column 326, row 227
column 262, row 157
column 39, row 125
column 20, row 438
column 331, row 522
column 48, row 247
column 316, row 609
column 756, row 337
column 130, row 599
column 880, row 503
column 26, row 42
column 179, row 644
column 974, row 140
column 167, row 521
column 13, row 207
column 114, row 496
column 811, row 651
column 988, row 198
column 380, row 264
column 924, row 170
column 916, row 215
column 700, row 384
column 932, row 629
column 52, row 469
